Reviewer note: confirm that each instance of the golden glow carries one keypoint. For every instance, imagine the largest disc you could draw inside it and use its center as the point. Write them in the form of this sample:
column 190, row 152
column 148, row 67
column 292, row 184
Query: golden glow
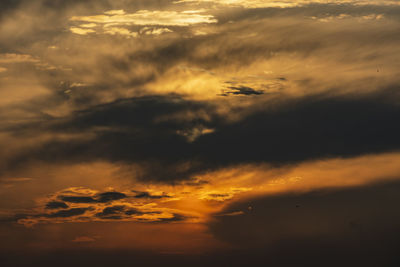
column 196, row 201
column 145, row 17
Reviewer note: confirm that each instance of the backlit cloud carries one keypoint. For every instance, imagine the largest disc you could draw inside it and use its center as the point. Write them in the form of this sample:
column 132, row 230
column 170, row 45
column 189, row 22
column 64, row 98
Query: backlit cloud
column 168, row 129
column 116, row 22
column 147, row 17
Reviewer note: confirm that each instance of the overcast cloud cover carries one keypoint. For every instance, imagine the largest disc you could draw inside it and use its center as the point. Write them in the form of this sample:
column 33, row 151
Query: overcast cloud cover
column 218, row 132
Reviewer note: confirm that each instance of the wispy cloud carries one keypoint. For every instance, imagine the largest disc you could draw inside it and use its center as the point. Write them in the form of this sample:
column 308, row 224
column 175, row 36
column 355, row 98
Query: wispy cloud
column 116, row 22
column 285, row 3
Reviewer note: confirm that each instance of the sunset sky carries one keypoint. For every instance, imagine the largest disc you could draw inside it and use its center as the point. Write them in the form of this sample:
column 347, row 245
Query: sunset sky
column 199, row 133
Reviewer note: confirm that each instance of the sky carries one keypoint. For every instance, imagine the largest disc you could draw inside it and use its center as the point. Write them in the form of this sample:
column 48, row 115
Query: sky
column 199, row 133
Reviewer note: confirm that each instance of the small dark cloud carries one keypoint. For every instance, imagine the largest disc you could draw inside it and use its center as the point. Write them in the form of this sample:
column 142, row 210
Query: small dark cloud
column 242, row 90
column 67, row 213
column 176, row 218
column 100, row 198
column 110, row 196
column 77, row 199
column 133, row 212
column 148, row 195
column 111, row 211
column 56, row 205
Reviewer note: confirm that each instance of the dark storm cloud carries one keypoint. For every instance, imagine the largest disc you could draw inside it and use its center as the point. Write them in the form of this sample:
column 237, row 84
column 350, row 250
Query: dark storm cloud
column 339, row 227
column 56, row 205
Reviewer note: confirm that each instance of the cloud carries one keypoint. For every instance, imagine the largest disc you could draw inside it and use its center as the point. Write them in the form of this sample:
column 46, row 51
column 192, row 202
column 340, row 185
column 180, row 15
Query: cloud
column 111, row 212
column 114, row 22
column 120, row 31
column 292, row 130
column 12, row 182
column 146, row 17
column 90, row 206
column 56, row 205
column 98, row 198
column 150, row 196
column 67, row 213
column 347, row 16
column 284, row 4
column 81, row 31
column 17, row 58
column 74, row 199
column 175, row 218
column 118, row 22
column 234, row 213
column 99, row 98
column 154, row 31
column 242, row 90
column 110, row 196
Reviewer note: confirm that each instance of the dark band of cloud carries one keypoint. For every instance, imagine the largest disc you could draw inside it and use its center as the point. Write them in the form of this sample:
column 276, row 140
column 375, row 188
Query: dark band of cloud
column 292, row 131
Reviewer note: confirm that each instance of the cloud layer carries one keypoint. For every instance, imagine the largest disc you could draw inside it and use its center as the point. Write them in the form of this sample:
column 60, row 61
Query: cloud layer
column 165, row 126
